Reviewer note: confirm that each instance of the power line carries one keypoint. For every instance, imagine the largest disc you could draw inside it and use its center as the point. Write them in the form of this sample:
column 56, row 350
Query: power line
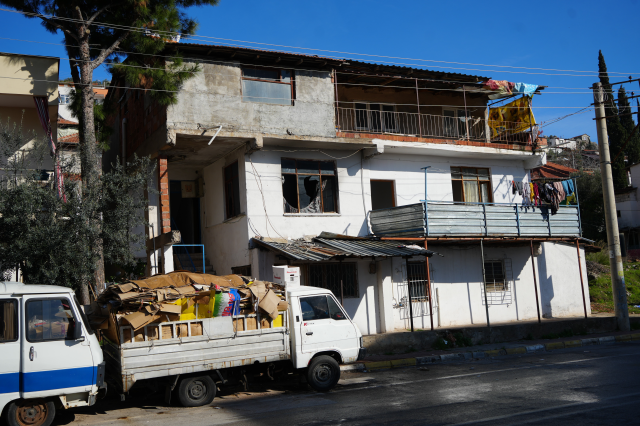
column 200, row 37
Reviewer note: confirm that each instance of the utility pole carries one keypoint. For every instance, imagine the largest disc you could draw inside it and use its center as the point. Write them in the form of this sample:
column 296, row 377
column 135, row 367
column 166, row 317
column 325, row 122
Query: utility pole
column 611, row 218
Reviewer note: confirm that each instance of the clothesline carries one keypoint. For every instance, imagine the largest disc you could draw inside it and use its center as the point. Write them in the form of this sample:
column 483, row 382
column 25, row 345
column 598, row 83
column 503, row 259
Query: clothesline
column 553, row 194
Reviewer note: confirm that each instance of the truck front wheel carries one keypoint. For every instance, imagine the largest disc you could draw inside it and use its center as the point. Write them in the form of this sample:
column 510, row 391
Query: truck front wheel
column 323, row 373
column 196, row 391
column 31, row 413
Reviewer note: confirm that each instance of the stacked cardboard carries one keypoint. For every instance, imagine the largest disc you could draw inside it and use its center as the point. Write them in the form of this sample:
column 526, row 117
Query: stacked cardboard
column 182, row 296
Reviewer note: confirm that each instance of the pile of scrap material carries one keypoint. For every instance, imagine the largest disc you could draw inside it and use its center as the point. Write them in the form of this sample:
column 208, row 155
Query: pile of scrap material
column 183, row 296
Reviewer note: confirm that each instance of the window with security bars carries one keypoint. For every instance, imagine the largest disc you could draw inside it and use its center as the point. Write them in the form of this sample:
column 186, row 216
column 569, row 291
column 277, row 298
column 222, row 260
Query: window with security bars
column 328, row 275
column 417, row 280
column 494, row 276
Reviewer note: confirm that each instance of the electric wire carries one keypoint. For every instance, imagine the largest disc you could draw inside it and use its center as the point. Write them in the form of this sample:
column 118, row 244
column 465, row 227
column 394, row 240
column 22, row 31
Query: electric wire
column 200, row 37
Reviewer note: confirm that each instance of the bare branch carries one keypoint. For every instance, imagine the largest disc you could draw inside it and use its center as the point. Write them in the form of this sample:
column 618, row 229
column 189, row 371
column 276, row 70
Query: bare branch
column 106, row 52
column 60, row 27
column 99, row 11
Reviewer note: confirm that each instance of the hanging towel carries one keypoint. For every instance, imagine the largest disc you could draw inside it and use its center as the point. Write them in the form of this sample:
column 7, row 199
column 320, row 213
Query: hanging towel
column 536, row 196
column 532, row 194
column 525, row 88
column 570, row 184
column 513, row 187
column 526, row 195
column 560, row 192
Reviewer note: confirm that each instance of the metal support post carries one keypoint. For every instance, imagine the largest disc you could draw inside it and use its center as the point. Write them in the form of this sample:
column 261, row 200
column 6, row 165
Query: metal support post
column 584, row 300
column 335, row 85
column 429, row 285
column 466, row 117
column 535, row 282
column 426, row 204
column 484, row 283
column 409, row 294
column 418, row 102
column 611, row 219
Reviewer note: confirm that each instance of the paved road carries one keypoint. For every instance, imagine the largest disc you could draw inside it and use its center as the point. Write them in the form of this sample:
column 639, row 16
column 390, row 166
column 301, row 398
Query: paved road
column 593, row 385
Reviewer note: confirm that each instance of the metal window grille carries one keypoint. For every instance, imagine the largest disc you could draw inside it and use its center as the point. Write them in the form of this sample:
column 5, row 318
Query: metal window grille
column 498, row 282
column 417, row 281
column 328, row 275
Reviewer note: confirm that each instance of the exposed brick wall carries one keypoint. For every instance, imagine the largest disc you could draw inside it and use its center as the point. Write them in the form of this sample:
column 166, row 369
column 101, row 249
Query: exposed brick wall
column 163, row 181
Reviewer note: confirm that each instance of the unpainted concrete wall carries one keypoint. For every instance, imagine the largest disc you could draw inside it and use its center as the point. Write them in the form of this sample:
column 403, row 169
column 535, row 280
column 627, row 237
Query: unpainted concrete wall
column 213, row 97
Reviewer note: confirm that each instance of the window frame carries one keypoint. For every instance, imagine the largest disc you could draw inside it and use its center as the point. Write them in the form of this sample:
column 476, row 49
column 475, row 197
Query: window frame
column 505, row 281
column 290, row 83
column 16, row 319
column 417, row 281
column 319, row 174
column 42, row 299
column 324, row 276
column 477, row 180
column 235, row 187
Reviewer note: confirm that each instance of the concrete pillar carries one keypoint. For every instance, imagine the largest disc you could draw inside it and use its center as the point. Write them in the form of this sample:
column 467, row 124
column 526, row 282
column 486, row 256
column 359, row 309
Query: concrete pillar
column 385, row 295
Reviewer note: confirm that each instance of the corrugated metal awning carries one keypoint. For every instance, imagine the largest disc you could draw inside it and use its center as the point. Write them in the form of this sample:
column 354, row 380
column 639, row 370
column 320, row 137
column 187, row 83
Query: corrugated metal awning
column 328, row 248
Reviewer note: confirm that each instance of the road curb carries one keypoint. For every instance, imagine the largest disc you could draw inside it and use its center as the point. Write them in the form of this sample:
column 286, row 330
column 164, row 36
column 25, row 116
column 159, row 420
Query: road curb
column 460, row 356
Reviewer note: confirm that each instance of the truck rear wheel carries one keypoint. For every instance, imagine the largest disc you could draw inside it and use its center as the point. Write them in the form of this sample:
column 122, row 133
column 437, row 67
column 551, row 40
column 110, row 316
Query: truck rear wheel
column 196, row 391
column 323, row 373
column 31, row 413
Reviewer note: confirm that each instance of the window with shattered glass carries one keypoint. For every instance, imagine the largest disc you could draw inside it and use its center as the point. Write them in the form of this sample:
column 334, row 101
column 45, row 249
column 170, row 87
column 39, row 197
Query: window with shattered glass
column 309, row 186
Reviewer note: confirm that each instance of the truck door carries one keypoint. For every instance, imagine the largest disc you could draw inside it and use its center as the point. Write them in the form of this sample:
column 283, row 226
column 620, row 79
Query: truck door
column 9, row 350
column 325, row 325
column 56, row 354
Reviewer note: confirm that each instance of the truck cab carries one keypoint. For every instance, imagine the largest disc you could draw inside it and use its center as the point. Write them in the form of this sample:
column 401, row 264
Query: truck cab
column 50, row 356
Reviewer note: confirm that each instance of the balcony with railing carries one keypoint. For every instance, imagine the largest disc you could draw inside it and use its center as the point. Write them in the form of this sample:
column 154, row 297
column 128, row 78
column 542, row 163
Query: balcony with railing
column 455, row 126
column 464, row 219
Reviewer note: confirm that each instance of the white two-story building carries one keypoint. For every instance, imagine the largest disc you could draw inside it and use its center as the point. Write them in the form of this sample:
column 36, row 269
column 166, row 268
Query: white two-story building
column 272, row 158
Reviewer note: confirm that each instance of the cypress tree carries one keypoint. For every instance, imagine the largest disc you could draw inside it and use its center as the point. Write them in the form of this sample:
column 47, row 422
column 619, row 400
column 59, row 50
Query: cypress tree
column 632, row 149
column 617, row 133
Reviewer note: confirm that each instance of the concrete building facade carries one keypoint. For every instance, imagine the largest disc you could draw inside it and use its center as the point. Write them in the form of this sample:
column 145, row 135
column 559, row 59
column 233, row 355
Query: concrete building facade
column 266, row 148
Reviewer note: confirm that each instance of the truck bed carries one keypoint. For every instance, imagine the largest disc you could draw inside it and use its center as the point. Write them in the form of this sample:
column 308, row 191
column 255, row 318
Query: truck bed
column 219, row 346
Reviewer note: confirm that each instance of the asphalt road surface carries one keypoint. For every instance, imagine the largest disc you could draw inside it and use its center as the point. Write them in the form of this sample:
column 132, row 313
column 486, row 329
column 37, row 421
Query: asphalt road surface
column 594, row 385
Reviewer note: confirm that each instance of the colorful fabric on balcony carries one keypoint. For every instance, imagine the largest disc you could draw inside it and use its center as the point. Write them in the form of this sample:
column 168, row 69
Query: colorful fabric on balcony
column 525, row 88
column 514, row 117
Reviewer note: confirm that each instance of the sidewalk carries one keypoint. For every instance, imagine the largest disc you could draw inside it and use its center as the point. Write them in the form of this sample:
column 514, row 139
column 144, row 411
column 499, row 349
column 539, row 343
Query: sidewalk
column 411, row 357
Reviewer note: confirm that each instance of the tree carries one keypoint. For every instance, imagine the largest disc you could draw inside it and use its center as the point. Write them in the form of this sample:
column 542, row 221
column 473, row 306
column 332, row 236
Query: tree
column 615, row 130
column 632, row 150
column 101, row 31
column 40, row 232
column 589, row 188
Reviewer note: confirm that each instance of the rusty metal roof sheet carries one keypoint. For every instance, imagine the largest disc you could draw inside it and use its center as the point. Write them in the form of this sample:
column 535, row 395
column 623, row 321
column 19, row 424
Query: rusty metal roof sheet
column 323, row 248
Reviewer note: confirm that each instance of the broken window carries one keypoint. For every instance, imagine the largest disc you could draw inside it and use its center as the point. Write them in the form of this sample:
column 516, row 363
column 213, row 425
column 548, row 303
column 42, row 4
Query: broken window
column 329, row 275
column 471, row 185
column 231, row 190
column 494, row 276
column 382, row 194
column 267, row 85
column 309, row 186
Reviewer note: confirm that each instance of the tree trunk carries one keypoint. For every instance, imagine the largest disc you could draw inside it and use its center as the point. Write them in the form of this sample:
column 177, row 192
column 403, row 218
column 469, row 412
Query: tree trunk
column 90, row 165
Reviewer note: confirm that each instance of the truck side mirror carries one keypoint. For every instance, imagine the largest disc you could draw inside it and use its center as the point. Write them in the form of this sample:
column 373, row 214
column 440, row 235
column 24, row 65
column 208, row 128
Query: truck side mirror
column 77, row 332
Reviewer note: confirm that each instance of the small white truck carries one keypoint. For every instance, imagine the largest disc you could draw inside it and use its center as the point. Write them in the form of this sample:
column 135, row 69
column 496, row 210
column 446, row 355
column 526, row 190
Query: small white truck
column 52, row 359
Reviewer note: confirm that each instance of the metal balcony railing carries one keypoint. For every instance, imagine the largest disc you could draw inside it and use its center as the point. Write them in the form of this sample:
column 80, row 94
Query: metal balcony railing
column 448, row 218
column 427, row 125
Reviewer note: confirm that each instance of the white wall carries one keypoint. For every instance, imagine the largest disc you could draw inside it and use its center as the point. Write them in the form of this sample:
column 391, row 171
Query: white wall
column 628, row 203
column 457, row 280
column 352, row 180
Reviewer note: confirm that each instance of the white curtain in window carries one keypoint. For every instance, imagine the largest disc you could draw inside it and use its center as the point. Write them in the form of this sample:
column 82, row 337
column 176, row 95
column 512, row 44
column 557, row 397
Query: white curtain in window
column 471, row 191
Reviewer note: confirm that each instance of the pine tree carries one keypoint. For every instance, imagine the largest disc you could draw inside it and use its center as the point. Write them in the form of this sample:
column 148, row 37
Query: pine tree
column 95, row 31
column 632, row 149
column 617, row 133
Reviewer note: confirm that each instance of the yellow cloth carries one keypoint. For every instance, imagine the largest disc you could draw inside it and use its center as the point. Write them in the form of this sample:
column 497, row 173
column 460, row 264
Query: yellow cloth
column 570, row 199
column 514, row 117
column 532, row 195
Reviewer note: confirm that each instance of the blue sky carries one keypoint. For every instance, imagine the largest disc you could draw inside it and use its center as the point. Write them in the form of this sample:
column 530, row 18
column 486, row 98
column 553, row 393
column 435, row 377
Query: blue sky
column 563, row 35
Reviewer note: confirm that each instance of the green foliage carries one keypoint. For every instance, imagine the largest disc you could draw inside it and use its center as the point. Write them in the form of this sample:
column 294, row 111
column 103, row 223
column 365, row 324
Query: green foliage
column 626, row 120
column 601, row 257
column 591, row 205
column 51, row 240
column 616, row 132
column 600, row 290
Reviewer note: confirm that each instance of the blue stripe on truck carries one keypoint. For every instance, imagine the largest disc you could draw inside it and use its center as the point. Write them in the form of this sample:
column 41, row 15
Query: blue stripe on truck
column 58, row 379
column 9, row 383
